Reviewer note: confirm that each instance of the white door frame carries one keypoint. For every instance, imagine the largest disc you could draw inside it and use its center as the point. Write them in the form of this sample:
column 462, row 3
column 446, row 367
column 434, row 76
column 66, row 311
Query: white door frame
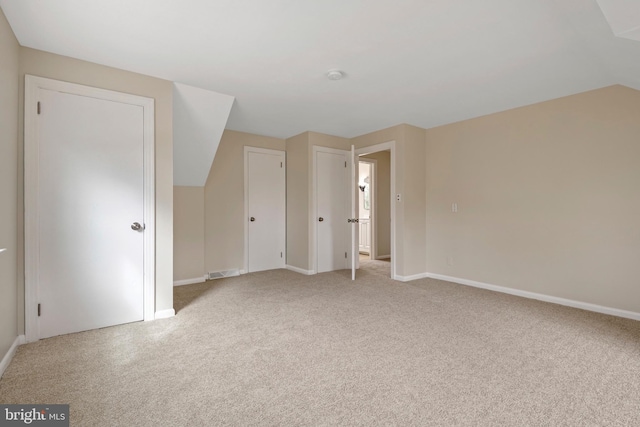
column 373, row 164
column 391, row 146
column 313, row 213
column 247, row 150
column 31, row 175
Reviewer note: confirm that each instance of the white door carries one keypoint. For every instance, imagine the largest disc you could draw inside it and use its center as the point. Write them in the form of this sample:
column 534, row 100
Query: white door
column 266, row 208
column 332, row 209
column 89, row 198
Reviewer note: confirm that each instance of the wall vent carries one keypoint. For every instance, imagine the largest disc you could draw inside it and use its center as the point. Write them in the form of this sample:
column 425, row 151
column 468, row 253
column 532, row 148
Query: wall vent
column 220, row 274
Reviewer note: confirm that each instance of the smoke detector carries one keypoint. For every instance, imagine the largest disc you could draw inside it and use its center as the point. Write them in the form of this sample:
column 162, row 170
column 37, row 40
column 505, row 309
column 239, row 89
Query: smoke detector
column 335, row 74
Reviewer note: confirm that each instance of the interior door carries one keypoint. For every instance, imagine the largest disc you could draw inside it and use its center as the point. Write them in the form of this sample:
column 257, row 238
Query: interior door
column 266, row 193
column 332, row 210
column 90, row 204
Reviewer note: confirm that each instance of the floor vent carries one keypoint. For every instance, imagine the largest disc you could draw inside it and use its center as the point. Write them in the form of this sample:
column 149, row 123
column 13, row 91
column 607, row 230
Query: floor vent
column 220, row 274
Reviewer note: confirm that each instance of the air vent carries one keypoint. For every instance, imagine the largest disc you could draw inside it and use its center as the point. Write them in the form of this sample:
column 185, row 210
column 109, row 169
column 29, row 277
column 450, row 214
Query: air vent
column 220, row 274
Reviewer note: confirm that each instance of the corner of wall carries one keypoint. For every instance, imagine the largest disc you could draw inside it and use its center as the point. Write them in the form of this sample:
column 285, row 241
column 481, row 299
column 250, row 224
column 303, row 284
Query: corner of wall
column 10, row 258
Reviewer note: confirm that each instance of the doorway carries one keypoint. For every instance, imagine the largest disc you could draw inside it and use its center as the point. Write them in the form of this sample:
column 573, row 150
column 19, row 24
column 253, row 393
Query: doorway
column 366, row 203
column 89, row 208
column 382, row 204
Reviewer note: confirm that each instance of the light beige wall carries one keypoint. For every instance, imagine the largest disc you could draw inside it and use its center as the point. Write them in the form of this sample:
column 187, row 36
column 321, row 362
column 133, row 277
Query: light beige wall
column 548, row 198
column 298, row 182
column 382, row 202
column 414, row 200
column 224, row 200
column 188, row 232
column 394, row 133
column 58, row 67
column 9, row 52
column 330, row 141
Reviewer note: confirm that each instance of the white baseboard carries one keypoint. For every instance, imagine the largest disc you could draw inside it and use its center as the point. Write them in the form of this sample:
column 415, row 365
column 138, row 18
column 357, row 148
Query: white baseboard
column 412, row 277
column 541, row 297
column 164, row 314
column 300, row 270
column 384, row 257
column 190, row 281
column 20, row 339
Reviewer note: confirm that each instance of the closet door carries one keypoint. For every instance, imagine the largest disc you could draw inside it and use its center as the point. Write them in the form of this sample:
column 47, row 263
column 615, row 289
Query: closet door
column 89, row 210
column 333, row 233
column 265, row 201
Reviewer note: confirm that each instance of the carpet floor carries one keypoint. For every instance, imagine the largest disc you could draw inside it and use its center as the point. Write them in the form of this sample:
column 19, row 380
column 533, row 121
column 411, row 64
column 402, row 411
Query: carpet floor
column 278, row 348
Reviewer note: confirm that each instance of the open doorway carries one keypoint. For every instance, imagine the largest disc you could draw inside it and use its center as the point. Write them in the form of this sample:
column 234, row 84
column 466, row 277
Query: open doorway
column 375, row 208
column 366, row 195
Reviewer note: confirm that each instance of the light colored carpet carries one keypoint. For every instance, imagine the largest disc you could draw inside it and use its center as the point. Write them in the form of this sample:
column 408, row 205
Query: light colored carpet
column 281, row 349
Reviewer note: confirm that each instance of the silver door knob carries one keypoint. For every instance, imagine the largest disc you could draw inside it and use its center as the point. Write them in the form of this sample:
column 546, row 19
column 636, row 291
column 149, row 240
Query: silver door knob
column 252, row 219
column 320, row 219
column 136, row 226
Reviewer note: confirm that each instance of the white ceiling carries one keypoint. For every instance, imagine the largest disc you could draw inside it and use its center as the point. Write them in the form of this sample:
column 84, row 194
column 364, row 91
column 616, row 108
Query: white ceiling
column 422, row 62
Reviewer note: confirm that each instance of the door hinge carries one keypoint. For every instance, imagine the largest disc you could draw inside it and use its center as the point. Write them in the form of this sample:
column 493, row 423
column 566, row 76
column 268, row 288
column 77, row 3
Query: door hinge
column 345, row 254
column 38, row 309
column 38, row 107
column 280, row 164
column 345, row 164
column 280, row 254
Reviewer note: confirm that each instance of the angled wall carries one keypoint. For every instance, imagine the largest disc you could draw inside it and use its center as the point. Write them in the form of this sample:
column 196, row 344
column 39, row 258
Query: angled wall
column 199, row 118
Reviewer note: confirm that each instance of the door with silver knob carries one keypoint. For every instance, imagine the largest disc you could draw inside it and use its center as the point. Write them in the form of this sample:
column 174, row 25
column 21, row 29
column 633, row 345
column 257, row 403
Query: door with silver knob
column 266, row 209
column 331, row 172
column 97, row 280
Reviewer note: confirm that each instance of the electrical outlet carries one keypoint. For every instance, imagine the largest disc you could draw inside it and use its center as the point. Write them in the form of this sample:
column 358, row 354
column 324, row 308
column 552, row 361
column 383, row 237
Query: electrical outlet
column 454, row 207
column 398, row 197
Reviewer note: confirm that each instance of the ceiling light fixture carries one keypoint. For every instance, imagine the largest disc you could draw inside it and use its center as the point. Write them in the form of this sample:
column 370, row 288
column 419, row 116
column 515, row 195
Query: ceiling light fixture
column 335, row 74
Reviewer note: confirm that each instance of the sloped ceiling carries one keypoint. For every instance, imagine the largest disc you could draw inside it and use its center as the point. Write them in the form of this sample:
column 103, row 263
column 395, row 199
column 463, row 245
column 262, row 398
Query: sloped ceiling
column 199, row 118
column 422, row 62
column 623, row 17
